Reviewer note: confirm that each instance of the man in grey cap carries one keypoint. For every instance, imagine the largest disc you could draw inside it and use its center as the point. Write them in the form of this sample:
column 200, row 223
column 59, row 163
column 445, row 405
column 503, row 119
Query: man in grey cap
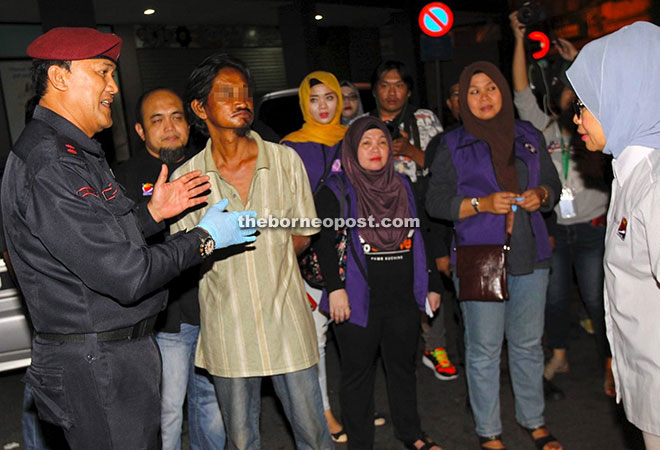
column 77, row 243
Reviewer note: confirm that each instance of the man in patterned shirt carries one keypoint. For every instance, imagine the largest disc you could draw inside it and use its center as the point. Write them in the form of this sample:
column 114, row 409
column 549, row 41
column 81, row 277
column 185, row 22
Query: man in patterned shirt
column 412, row 129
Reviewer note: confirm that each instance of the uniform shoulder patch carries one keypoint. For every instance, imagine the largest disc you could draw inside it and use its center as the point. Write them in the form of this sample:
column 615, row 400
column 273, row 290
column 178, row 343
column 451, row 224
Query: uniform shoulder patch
column 68, row 147
column 70, row 152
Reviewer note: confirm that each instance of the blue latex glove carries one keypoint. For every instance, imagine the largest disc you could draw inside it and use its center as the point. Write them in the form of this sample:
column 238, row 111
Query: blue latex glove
column 224, row 226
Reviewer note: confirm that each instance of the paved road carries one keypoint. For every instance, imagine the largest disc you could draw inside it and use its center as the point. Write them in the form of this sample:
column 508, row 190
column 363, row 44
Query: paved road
column 584, row 420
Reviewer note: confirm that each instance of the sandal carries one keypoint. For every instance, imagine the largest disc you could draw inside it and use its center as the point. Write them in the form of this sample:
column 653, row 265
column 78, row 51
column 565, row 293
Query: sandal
column 428, row 443
column 339, row 437
column 495, row 438
column 542, row 441
column 608, row 382
column 555, row 366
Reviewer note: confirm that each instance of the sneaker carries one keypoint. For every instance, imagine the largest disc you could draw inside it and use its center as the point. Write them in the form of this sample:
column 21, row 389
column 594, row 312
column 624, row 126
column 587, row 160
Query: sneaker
column 439, row 363
column 379, row 419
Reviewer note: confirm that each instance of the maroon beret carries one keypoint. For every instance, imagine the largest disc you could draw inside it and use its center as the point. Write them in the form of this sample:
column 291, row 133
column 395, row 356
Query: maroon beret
column 68, row 43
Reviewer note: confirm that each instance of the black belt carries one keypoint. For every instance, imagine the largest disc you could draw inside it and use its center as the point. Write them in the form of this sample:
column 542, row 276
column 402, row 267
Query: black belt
column 140, row 329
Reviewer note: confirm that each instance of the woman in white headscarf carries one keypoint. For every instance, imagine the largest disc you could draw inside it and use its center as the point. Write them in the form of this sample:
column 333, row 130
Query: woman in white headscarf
column 352, row 108
column 618, row 112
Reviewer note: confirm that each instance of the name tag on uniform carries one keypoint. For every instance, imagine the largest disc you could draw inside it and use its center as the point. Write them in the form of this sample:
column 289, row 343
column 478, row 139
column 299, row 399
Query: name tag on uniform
column 621, row 232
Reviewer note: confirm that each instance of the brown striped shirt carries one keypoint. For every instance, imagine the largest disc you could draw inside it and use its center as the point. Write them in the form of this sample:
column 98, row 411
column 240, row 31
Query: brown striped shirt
column 255, row 317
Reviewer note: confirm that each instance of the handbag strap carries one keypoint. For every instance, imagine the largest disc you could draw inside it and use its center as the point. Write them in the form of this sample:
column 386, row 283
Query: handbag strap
column 508, row 224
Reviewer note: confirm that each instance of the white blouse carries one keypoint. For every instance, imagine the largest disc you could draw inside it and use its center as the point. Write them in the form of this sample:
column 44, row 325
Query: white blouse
column 632, row 276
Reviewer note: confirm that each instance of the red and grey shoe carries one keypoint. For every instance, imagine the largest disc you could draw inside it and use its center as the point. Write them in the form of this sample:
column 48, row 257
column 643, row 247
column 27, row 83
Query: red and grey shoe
column 438, row 361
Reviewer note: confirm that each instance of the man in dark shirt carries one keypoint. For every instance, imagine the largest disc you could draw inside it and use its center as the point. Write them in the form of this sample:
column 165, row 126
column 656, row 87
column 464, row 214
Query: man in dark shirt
column 412, row 129
column 163, row 127
column 77, row 246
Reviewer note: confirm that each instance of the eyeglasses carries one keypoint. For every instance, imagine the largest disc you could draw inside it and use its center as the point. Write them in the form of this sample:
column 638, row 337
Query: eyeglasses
column 578, row 106
column 352, row 97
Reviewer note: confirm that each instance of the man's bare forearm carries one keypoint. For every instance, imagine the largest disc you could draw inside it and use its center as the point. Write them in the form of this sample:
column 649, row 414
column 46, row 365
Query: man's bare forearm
column 300, row 243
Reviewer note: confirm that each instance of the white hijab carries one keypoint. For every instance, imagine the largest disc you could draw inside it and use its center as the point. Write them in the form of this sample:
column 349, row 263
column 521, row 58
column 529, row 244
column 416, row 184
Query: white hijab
column 617, row 77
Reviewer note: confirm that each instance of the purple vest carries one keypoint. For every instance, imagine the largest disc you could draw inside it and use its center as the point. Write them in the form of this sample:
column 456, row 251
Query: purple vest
column 356, row 284
column 311, row 154
column 476, row 178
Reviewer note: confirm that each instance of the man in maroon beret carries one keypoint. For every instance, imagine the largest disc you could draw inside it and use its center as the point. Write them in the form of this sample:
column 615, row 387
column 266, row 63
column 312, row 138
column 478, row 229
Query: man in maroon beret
column 77, row 244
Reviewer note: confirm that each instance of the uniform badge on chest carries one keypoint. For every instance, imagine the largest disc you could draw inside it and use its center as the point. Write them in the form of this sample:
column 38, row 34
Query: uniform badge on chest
column 621, row 232
column 147, row 189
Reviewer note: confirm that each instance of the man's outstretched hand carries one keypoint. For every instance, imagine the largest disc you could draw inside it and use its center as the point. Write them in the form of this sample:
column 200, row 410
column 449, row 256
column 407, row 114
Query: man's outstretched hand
column 172, row 198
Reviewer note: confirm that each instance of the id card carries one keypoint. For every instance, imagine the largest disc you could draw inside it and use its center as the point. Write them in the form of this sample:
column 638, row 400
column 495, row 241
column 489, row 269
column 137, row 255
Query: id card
column 567, row 203
column 429, row 311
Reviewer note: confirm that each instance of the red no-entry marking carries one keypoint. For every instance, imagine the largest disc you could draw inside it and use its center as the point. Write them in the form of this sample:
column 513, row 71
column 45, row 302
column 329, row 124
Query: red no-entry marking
column 436, row 19
column 544, row 40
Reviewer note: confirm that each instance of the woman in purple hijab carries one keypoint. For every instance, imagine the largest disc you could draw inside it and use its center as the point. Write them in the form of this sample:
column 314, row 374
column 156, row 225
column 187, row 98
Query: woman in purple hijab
column 376, row 301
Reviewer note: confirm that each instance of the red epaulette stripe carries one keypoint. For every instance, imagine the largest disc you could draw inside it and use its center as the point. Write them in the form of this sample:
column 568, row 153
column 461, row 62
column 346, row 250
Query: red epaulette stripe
column 87, row 190
column 111, row 195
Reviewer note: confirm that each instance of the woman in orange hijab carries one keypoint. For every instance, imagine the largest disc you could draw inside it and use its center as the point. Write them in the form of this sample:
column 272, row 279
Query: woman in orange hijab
column 318, row 144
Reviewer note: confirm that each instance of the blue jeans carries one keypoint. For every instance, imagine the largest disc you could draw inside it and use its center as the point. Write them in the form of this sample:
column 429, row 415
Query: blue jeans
column 321, row 322
column 580, row 247
column 37, row 434
column 180, row 378
column 520, row 320
column 300, row 394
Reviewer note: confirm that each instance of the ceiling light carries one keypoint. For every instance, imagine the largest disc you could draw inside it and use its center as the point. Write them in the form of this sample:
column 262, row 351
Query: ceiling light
column 318, row 17
column 148, row 11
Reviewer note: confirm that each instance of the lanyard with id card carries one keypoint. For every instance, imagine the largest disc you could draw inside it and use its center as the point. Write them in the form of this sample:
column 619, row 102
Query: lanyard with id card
column 567, row 199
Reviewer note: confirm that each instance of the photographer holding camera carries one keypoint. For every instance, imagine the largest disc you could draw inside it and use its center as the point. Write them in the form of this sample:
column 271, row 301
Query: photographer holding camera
column 411, row 128
column 580, row 231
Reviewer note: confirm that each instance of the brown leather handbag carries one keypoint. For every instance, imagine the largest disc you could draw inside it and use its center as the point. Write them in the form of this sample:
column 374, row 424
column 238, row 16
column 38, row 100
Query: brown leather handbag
column 481, row 271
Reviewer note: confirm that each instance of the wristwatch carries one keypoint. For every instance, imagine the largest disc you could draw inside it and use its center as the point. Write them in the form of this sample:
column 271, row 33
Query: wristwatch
column 475, row 204
column 206, row 242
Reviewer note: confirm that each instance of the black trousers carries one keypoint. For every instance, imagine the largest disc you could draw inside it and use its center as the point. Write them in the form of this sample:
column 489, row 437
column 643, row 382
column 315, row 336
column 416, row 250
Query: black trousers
column 104, row 395
column 395, row 332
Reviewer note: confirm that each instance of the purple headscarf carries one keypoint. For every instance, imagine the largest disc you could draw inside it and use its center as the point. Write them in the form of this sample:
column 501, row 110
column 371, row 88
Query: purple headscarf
column 380, row 193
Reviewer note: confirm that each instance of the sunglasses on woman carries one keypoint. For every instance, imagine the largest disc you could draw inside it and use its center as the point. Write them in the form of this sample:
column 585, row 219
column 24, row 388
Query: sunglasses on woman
column 578, row 106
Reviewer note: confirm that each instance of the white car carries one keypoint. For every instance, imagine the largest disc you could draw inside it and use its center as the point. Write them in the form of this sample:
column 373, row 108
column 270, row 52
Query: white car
column 15, row 335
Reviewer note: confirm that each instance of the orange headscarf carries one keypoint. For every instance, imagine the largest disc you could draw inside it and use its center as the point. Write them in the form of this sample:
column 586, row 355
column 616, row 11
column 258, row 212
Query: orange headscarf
column 312, row 131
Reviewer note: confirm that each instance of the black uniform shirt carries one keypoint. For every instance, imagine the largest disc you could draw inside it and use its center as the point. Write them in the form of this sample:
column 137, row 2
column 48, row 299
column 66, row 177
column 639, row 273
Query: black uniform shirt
column 75, row 240
column 138, row 176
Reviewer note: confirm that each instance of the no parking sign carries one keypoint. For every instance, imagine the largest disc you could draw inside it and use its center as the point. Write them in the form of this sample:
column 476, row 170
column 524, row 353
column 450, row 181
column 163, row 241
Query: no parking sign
column 436, row 19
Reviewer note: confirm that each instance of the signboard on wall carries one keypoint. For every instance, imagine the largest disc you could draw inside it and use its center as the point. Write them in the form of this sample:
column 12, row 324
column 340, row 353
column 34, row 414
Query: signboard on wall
column 16, row 91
